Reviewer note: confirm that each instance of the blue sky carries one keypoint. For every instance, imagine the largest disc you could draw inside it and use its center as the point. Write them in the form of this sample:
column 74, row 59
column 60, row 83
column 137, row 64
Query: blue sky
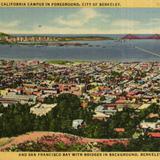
column 79, row 20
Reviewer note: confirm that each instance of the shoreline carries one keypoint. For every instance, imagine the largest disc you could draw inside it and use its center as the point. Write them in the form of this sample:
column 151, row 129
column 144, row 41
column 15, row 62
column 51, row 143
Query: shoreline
column 56, row 61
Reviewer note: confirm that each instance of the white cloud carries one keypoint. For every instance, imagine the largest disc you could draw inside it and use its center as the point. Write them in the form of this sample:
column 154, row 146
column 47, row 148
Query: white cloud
column 84, row 30
column 77, row 24
column 11, row 24
column 81, row 30
column 9, row 27
column 65, row 30
column 125, row 22
column 79, row 18
column 154, row 22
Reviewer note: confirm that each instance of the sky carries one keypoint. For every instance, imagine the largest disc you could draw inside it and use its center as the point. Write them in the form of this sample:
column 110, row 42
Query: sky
column 80, row 20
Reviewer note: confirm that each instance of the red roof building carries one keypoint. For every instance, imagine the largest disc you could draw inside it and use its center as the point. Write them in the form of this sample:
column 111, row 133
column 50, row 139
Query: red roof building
column 154, row 134
column 119, row 130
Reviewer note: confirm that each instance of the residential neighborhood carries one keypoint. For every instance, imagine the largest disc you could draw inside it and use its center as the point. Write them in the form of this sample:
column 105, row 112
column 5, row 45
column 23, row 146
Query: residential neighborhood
column 91, row 98
column 111, row 85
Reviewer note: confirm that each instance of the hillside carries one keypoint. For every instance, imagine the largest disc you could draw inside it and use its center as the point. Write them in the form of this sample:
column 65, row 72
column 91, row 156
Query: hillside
column 54, row 141
column 4, row 34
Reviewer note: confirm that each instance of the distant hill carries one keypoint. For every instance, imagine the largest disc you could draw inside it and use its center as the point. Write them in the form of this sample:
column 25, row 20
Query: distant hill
column 4, row 34
column 132, row 36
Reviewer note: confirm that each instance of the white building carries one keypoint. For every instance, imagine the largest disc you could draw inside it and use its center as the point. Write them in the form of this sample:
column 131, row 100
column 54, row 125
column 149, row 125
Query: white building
column 42, row 109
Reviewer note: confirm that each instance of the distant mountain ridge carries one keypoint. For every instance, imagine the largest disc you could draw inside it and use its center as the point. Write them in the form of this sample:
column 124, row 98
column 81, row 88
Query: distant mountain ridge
column 132, row 36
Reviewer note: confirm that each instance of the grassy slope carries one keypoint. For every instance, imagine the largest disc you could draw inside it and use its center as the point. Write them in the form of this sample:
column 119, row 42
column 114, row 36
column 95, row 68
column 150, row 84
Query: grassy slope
column 60, row 137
